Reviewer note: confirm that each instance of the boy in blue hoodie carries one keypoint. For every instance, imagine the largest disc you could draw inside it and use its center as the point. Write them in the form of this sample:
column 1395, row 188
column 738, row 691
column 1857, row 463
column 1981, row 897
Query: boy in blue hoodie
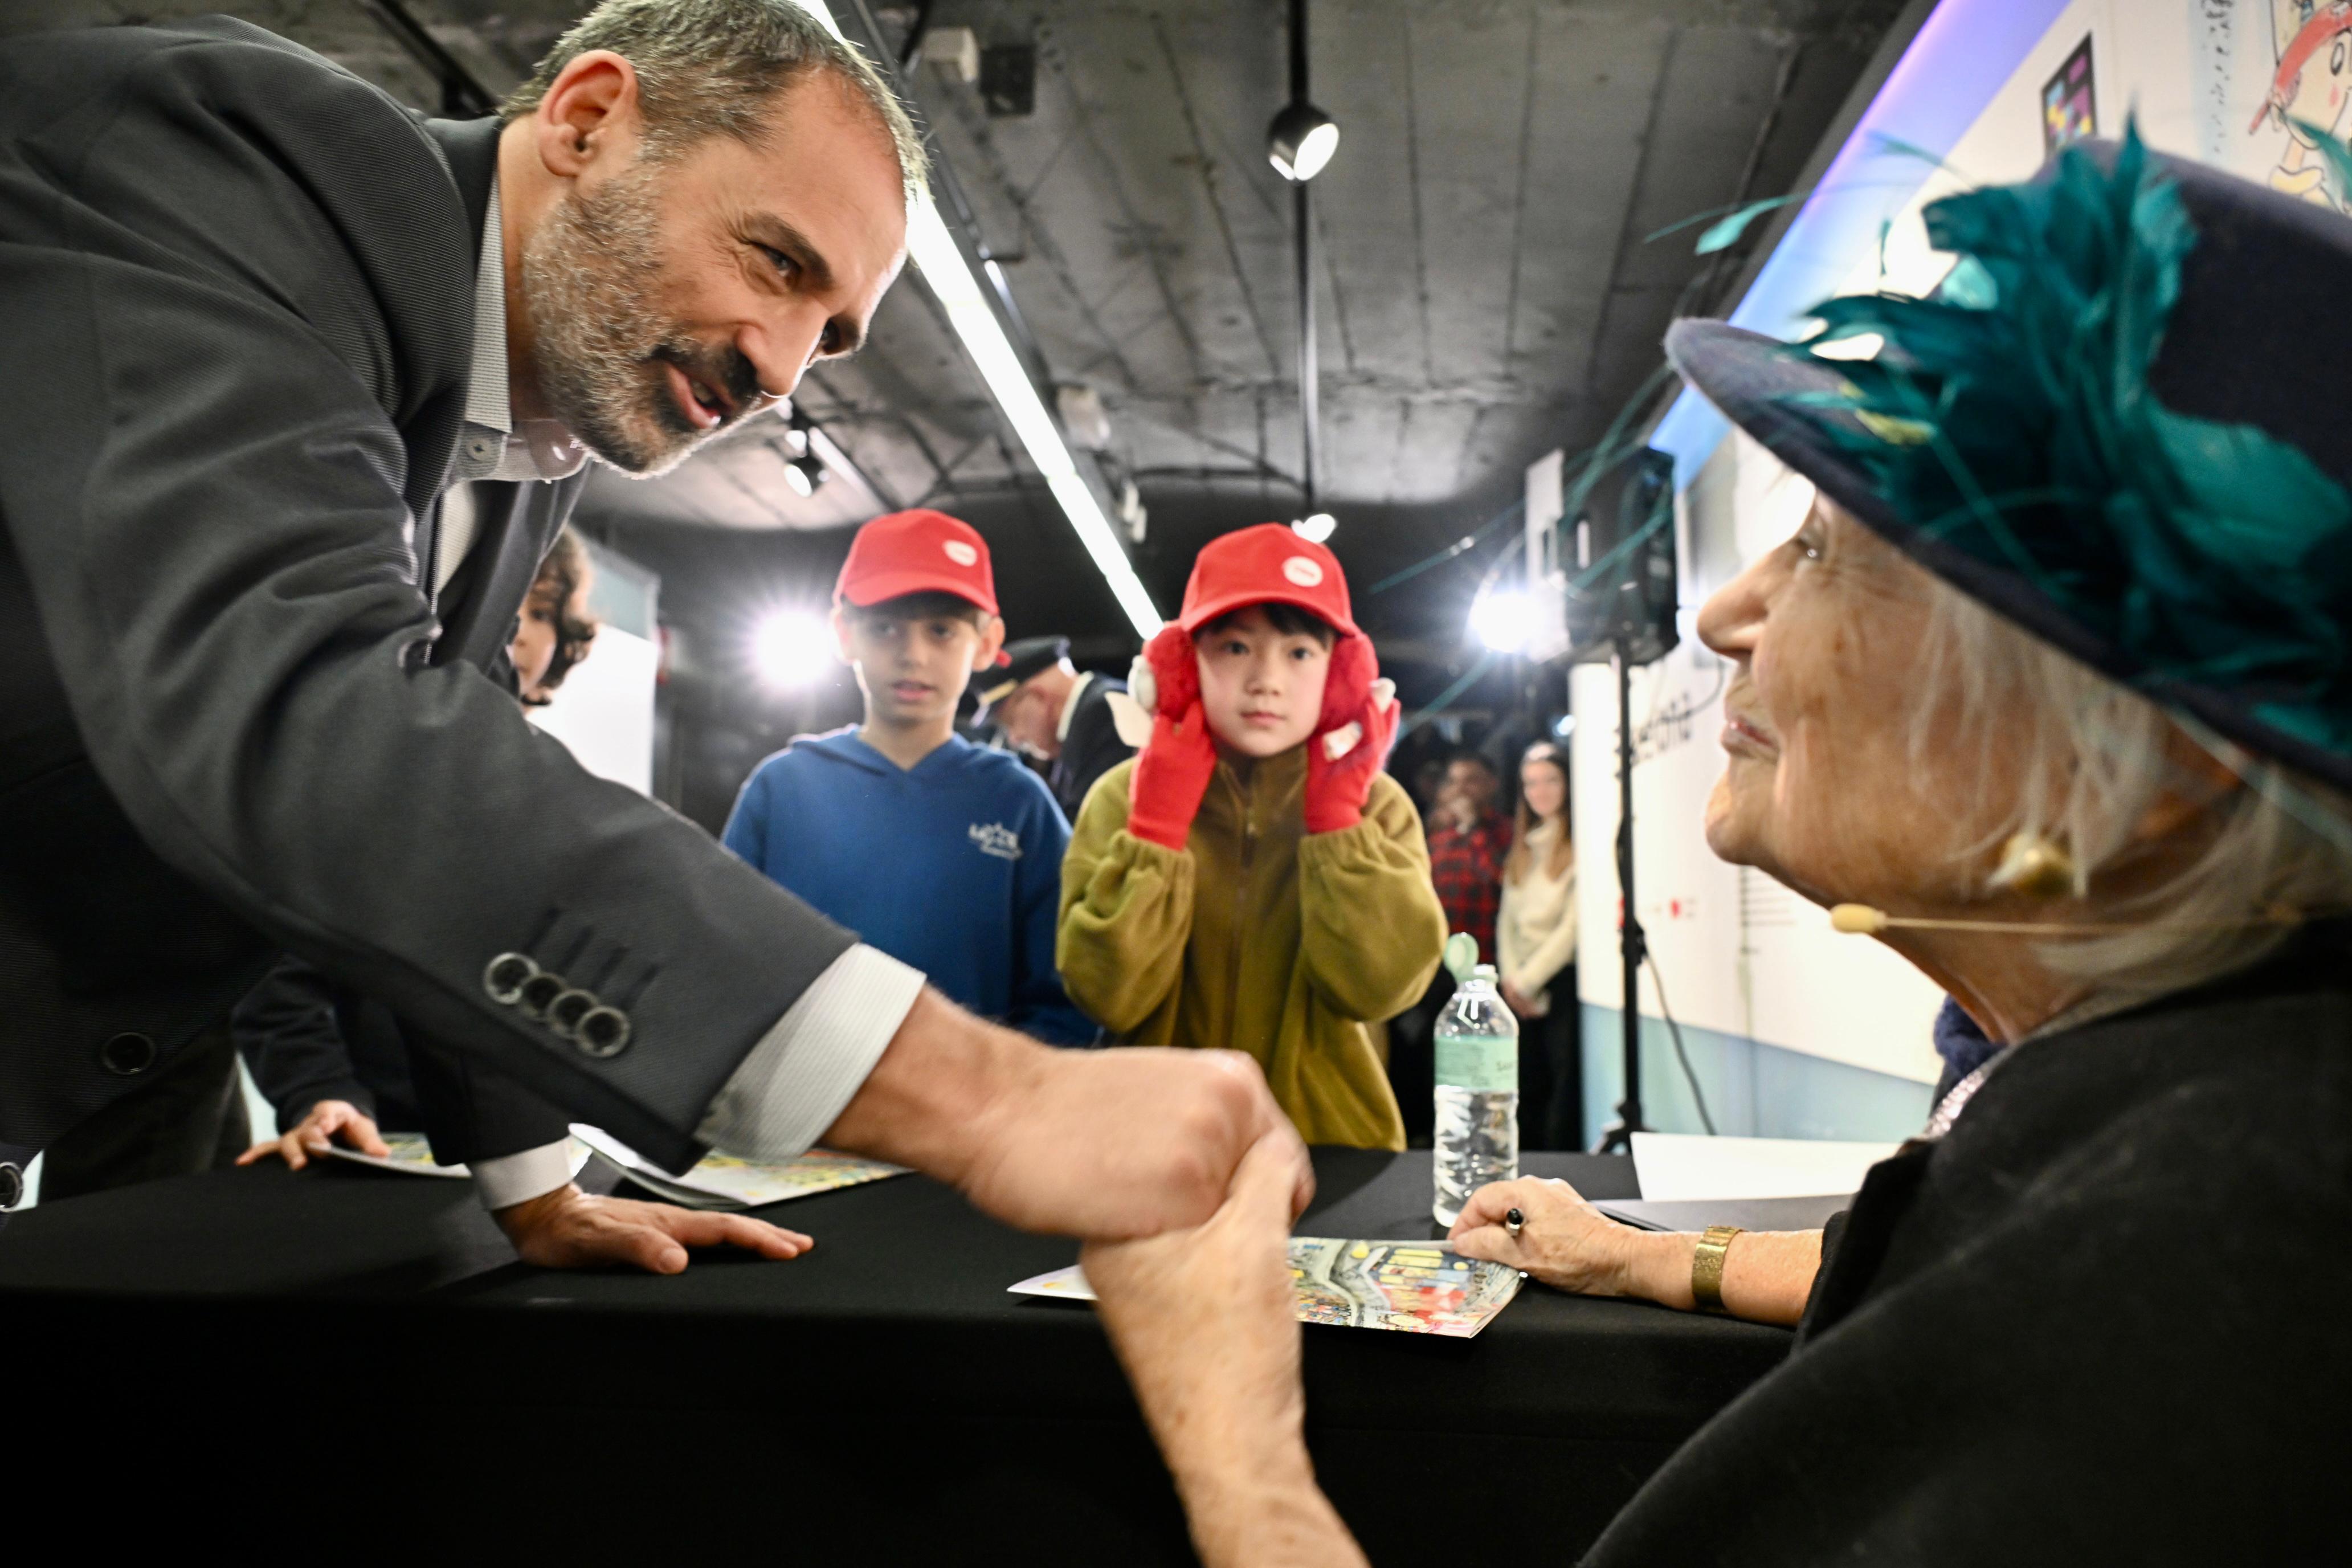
column 944, row 855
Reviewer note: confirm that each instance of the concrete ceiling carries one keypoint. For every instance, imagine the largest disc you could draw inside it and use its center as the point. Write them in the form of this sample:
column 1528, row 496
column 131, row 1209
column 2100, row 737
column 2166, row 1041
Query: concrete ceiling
column 1485, row 292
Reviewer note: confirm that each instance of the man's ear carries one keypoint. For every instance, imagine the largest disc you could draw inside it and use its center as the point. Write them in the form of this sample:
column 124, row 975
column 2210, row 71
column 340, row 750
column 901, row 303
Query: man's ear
column 992, row 643
column 590, row 113
column 840, row 636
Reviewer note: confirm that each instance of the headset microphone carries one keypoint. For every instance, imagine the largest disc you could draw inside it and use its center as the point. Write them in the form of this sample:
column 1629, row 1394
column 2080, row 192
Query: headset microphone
column 1861, row 919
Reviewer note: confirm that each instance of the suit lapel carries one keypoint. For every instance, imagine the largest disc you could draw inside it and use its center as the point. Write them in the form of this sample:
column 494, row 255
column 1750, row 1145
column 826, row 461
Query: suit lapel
column 470, row 148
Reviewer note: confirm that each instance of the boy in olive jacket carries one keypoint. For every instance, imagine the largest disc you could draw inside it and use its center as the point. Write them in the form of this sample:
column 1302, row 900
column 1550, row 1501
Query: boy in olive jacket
column 1254, row 880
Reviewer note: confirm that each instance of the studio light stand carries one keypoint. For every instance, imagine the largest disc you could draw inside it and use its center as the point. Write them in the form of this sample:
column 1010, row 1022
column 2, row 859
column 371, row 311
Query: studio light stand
column 1632, row 946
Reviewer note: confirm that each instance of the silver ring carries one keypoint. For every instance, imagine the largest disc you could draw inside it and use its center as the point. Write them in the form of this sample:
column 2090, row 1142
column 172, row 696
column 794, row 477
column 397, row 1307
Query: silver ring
column 1513, row 1223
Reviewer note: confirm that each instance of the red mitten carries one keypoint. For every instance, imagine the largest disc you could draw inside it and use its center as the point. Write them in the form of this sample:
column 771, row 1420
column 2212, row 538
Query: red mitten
column 1348, row 683
column 1337, row 785
column 1167, row 679
column 1172, row 773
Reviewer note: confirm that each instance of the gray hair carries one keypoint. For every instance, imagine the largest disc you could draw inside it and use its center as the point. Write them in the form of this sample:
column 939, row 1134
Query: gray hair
column 707, row 67
column 2087, row 757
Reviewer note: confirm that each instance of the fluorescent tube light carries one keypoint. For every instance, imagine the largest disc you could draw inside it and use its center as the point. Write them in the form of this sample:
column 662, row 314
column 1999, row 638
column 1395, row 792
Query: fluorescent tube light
column 935, row 255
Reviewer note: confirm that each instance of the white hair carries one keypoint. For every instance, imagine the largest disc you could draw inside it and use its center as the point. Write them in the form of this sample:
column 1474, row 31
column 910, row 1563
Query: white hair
column 708, row 67
column 2085, row 759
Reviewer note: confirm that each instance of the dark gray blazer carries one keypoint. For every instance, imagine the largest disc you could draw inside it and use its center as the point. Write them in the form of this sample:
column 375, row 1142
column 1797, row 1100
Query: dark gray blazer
column 235, row 321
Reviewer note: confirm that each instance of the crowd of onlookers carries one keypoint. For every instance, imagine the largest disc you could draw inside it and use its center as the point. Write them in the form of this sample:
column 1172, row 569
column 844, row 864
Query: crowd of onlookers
column 1211, row 853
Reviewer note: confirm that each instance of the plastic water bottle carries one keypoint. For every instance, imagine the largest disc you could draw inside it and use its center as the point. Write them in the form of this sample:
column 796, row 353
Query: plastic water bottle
column 1477, row 1139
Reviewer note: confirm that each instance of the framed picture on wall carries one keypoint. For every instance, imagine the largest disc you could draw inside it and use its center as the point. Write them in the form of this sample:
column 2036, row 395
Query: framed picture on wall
column 2070, row 109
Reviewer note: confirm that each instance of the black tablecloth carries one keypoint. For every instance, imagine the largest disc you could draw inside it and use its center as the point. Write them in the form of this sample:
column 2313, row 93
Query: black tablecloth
column 884, row 1391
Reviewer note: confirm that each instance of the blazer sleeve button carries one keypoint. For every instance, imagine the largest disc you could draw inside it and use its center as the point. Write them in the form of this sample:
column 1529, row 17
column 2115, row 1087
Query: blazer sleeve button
column 601, row 1032
column 538, row 991
column 563, row 1014
column 505, row 977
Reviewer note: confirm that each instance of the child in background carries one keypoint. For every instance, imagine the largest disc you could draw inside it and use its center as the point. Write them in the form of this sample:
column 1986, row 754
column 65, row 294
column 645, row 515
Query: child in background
column 943, row 854
column 1254, row 880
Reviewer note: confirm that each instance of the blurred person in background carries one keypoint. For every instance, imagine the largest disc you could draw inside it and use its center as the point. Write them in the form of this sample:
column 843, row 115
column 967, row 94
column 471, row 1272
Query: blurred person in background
column 1468, row 839
column 1535, row 940
column 1055, row 715
column 556, row 626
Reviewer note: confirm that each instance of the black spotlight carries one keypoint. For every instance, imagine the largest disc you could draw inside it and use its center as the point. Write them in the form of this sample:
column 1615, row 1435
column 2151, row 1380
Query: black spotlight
column 1301, row 140
column 804, row 471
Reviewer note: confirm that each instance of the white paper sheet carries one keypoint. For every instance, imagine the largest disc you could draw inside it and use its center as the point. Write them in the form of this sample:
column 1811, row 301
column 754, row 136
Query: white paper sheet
column 1680, row 1166
column 412, row 1155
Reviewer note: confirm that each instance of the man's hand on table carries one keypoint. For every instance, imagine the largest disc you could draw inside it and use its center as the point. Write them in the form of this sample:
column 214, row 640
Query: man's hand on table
column 1205, row 1322
column 311, row 1137
column 568, row 1228
column 1103, row 1145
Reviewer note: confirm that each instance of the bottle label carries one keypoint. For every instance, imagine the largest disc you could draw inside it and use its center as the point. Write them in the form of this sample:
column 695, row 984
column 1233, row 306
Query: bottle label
column 1482, row 1064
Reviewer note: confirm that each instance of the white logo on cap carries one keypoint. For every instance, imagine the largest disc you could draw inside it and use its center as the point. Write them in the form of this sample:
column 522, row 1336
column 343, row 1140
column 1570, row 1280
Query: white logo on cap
column 963, row 554
column 1302, row 570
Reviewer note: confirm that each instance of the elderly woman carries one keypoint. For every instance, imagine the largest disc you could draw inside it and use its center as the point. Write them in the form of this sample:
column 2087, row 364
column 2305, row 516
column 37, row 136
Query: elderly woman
column 2051, row 692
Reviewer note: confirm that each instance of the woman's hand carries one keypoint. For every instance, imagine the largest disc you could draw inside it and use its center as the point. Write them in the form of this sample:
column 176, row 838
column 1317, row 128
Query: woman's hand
column 1521, row 1004
column 325, row 1121
column 1563, row 1241
column 1571, row 1245
column 1207, row 1323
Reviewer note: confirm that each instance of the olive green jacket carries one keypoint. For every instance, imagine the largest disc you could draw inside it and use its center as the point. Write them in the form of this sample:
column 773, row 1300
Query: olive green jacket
column 1258, row 936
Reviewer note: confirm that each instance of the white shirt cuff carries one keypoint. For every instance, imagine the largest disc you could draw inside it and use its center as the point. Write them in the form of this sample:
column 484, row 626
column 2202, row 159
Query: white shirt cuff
column 806, row 1070
column 518, row 1178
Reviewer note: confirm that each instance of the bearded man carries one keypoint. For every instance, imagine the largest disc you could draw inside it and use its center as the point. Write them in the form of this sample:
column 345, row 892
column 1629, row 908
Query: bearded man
column 254, row 688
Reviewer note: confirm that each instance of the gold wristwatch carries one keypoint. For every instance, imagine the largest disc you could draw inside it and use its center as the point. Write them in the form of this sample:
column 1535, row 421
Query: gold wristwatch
column 1706, row 1267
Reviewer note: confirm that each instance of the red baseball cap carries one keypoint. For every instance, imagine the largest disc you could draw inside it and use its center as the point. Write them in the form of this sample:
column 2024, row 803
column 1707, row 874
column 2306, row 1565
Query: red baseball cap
column 919, row 551
column 1268, row 564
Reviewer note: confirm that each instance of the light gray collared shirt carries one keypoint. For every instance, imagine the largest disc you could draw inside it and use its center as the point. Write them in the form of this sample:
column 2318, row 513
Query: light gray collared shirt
column 810, row 1063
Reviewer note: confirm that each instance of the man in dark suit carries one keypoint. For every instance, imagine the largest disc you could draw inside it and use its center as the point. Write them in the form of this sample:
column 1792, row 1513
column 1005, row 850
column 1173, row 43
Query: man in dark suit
column 1052, row 713
column 254, row 692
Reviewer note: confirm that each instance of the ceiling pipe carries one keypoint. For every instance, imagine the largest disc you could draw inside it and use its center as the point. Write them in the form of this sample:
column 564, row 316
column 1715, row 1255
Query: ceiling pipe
column 1298, row 143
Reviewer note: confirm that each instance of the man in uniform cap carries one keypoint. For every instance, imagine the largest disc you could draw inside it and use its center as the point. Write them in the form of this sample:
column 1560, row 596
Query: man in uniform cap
column 1053, row 712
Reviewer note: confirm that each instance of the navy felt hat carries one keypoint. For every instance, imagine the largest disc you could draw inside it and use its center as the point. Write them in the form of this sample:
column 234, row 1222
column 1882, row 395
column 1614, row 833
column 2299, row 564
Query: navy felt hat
column 2118, row 423
column 1020, row 660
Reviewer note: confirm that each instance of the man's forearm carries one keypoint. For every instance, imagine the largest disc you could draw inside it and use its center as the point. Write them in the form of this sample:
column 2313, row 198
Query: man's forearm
column 1267, row 1514
column 943, row 1079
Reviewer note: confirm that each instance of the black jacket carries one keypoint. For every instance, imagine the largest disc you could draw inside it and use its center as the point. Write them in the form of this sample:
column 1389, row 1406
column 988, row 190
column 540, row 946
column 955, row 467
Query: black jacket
column 1091, row 749
column 236, row 324
column 305, row 1039
column 2103, row 1320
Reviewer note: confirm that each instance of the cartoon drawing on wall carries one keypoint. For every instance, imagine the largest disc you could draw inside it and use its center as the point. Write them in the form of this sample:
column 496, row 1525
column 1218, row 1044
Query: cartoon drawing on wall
column 2070, row 112
column 2311, row 89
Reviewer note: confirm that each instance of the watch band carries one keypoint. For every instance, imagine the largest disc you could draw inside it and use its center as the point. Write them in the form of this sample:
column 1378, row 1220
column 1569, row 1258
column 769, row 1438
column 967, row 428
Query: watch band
column 1706, row 1267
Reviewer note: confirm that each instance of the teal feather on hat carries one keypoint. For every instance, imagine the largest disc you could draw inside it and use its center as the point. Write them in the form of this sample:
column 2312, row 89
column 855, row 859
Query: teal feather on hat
column 2011, row 417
